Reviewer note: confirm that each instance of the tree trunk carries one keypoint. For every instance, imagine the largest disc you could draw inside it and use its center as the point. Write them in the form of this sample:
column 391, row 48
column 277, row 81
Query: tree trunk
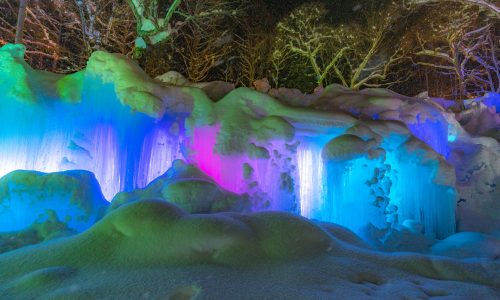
column 20, row 21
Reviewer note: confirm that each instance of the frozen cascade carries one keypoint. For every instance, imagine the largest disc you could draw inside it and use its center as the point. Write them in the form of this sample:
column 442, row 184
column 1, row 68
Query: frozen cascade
column 160, row 148
column 353, row 202
column 268, row 175
column 127, row 150
column 345, row 183
column 310, row 165
column 418, row 195
column 363, row 179
column 124, row 150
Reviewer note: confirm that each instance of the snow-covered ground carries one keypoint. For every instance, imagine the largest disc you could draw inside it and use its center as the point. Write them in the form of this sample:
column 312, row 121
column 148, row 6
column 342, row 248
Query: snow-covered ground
column 154, row 250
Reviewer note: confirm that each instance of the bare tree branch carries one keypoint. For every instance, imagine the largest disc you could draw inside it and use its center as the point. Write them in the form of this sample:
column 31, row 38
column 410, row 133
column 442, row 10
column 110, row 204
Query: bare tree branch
column 489, row 5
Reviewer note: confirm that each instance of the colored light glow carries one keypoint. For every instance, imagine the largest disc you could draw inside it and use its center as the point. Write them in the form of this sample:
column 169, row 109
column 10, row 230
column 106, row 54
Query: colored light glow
column 227, row 171
column 418, row 198
column 127, row 150
column 313, row 203
column 356, row 192
column 452, row 133
column 159, row 150
column 267, row 182
column 433, row 133
column 99, row 135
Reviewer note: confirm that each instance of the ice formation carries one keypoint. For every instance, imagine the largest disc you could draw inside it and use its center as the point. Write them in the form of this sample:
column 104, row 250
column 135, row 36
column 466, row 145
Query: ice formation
column 27, row 197
column 351, row 158
column 187, row 187
column 53, row 123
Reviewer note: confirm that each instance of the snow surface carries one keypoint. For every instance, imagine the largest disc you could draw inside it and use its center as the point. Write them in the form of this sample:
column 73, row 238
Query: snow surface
column 151, row 249
column 188, row 187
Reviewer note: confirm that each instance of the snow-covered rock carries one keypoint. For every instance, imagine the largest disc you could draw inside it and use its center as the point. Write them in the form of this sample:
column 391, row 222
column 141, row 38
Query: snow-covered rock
column 187, row 187
column 72, row 197
column 469, row 245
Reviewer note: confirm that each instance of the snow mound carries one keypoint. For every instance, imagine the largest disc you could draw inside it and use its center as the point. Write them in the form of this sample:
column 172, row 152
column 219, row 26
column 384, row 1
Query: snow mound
column 132, row 85
column 343, row 234
column 345, row 147
column 26, row 85
column 147, row 233
column 156, row 232
column 14, row 72
column 189, row 188
column 478, row 184
column 38, row 232
column 469, row 245
column 215, row 90
column 379, row 104
column 144, row 240
column 481, row 120
column 73, row 197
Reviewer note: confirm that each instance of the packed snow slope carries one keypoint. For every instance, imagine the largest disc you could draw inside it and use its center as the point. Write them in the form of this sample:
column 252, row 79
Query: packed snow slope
column 118, row 256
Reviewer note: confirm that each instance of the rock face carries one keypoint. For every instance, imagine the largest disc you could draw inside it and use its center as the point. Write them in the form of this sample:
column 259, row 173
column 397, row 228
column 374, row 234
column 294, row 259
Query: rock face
column 72, row 197
column 187, row 187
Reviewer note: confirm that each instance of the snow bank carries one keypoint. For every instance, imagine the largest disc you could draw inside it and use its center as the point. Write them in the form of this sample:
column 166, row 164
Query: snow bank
column 27, row 197
column 152, row 232
column 469, row 245
column 189, row 188
column 155, row 247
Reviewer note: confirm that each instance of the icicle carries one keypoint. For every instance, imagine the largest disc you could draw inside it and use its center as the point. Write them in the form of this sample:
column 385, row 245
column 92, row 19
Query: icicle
column 417, row 193
column 313, row 201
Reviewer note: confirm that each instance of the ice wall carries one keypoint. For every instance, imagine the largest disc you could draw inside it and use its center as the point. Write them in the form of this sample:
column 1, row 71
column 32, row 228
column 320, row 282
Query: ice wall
column 312, row 182
column 384, row 178
column 114, row 121
column 123, row 148
column 265, row 170
column 424, row 189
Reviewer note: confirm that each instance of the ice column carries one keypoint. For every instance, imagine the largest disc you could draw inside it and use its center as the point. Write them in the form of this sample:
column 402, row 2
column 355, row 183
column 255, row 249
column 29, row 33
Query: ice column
column 313, row 201
column 424, row 192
